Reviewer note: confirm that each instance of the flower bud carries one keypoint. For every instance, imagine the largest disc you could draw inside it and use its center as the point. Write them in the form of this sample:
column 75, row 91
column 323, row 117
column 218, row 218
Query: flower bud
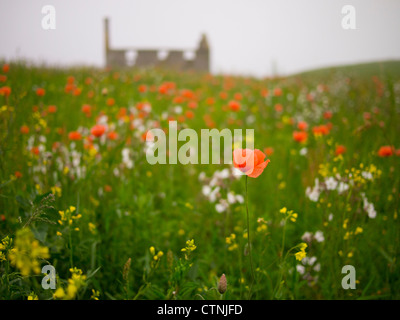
column 222, row 285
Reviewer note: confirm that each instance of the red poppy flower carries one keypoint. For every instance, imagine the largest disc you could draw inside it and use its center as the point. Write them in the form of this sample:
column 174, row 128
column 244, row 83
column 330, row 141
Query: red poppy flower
column 18, row 174
column 52, row 109
column 264, row 92
column 86, row 108
column 110, row 102
column 302, row 125
column 223, row 95
column 385, row 151
column 238, row 96
column 189, row 114
column 74, row 135
column 24, row 129
column 6, row 67
column 322, row 129
column 327, row 115
column 69, row 87
column 77, row 92
column 192, row 104
column 88, row 81
column 35, row 150
column 278, row 107
column 250, row 162
column 340, row 150
column 210, row 101
column 234, row 105
column 40, row 92
column 98, row 130
column 5, row 91
column 112, row 135
column 300, row 136
column 269, row 151
column 277, row 92
column 142, row 88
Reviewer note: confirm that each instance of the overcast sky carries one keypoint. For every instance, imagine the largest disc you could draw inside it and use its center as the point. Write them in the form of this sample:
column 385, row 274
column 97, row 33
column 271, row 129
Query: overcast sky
column 246, row 36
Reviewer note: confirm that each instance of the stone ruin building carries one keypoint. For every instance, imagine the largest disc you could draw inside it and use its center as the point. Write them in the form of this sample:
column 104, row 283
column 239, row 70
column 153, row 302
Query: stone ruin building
column 173, row 59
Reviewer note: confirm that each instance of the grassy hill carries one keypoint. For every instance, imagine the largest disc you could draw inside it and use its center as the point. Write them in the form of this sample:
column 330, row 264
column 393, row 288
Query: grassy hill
column 381, row 68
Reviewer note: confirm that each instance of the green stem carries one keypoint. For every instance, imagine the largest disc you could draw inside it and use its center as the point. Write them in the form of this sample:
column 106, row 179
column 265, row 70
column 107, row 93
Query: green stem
column 71, row 261
column 248, row 240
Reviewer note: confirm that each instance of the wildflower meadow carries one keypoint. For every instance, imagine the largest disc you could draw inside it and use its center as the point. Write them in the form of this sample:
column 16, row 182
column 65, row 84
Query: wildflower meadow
column 313, row 215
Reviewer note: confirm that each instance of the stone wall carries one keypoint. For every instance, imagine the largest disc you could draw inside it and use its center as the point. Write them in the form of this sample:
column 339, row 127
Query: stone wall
column 149, row 58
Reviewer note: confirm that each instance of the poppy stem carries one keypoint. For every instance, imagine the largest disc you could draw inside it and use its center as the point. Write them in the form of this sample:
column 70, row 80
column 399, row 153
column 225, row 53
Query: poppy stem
column 248, row 240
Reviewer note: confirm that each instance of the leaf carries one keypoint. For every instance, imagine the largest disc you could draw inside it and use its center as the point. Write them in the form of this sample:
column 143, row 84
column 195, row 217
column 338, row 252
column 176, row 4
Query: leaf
column 40, row 232
column 92, row 273
column 24, row 203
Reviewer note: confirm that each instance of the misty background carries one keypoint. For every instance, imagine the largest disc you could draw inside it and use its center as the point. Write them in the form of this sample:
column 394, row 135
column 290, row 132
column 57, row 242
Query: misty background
column 248, row 37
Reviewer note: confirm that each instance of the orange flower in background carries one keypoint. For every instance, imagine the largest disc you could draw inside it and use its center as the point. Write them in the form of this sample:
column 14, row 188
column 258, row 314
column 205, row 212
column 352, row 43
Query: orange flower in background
column 122, row 113
column 110, row 102
column 188, row 94
column 88, row 81
column 189, row 114
column 269, row 151
column 40, row 92
column 77, row 92
column 163, row 89
column 385, row 151
column 278, row 107
column 5, row 91
column 277, row 92
column 69, row 87
column 192, row 104
column 321, row 130
column 90, row 94
column 147, row 136
column 367, row 115
column 6, row 67
column 55, row 146
column 300, row 136
column 234, row 105
column 302, row 125
column 24, row 129
column 52, row 109
column 166, row 87
column 70, row 79
column 86, row 108
column 340, row 150
column 3, row 78
column 238, row 96
column 250, row 162
column 98, row 130
column 210, row 101
column 142, row 88
column 327, row 115
column 35, row 150
column 18, row 174
column 112, row 135
column 178, row 100
column 74, row 135
column 223, row 95
column 264, row 92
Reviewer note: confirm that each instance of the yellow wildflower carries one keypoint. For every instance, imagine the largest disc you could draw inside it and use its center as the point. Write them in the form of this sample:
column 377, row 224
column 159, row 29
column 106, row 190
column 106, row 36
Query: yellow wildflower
column 27, row 253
